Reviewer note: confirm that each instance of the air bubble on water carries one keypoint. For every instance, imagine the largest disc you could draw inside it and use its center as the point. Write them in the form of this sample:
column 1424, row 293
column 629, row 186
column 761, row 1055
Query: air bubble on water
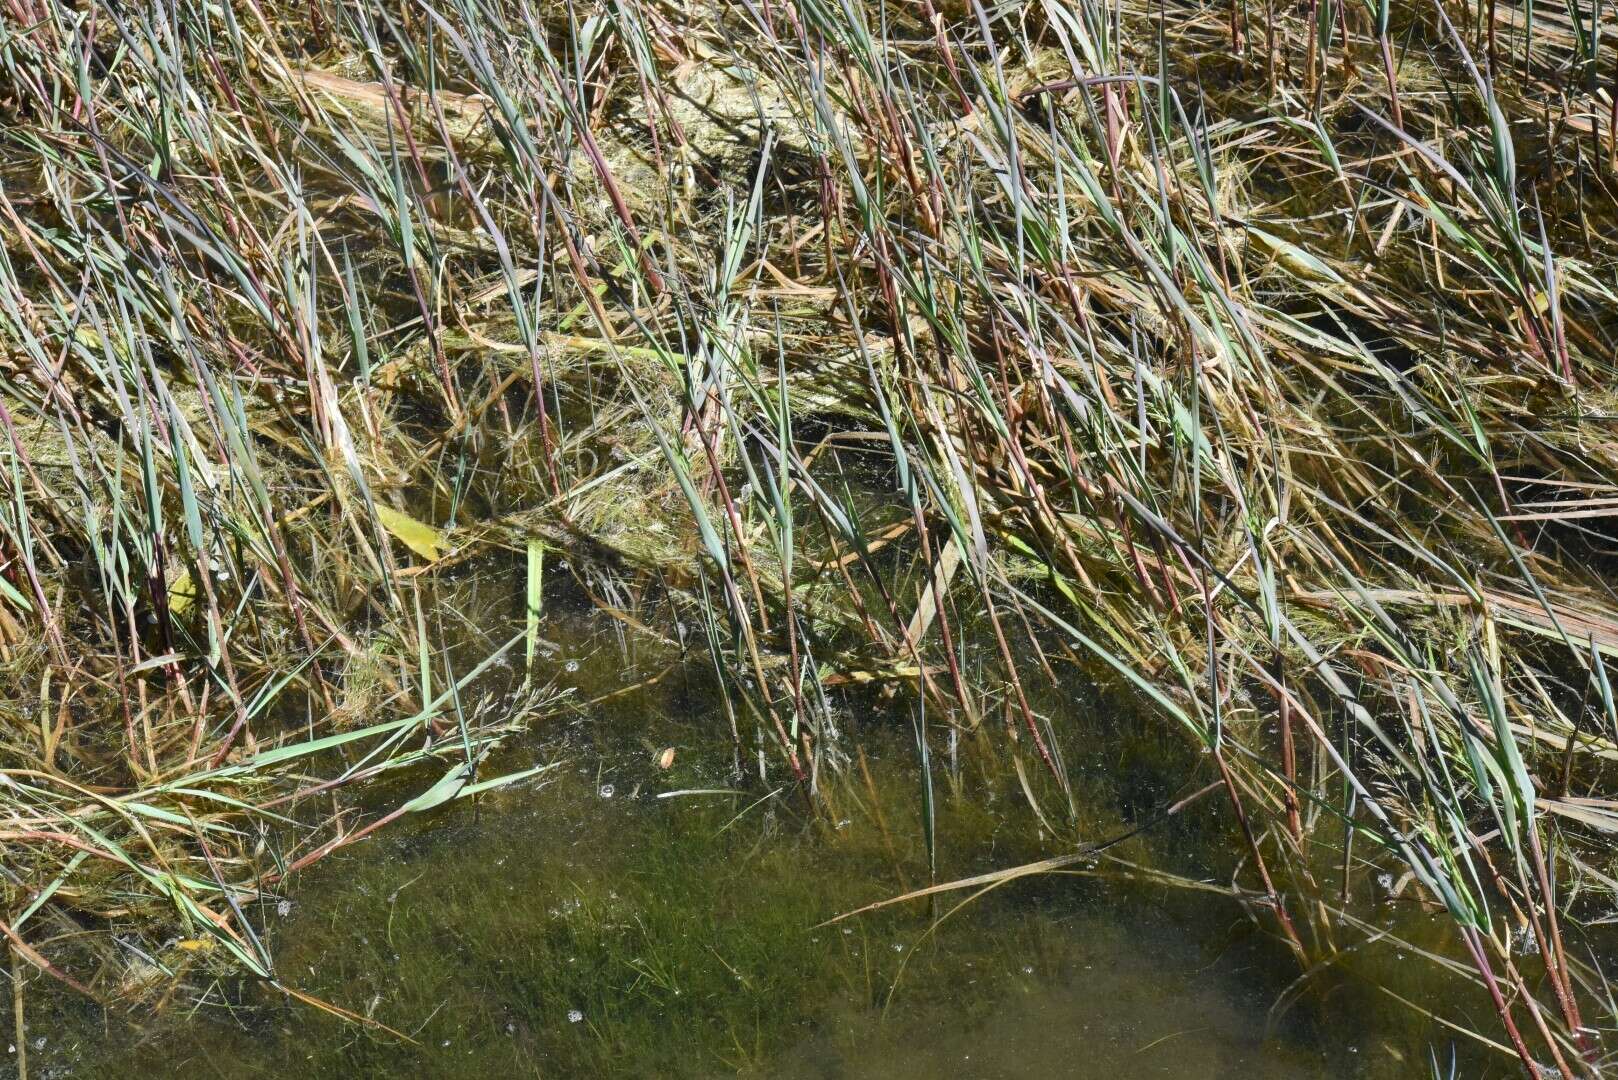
column 607, row 791
column 1028, row 969
column 897, row 947
column 571, row 666
column 574, row 1016
column 283, row 908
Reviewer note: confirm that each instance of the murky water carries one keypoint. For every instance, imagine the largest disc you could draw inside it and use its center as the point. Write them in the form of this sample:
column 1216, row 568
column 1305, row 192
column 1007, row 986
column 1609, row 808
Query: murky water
column 640, row 910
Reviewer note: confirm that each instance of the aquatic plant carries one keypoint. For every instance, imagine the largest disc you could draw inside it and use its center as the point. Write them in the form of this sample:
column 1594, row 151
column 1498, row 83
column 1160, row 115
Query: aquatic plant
column 1256, row 363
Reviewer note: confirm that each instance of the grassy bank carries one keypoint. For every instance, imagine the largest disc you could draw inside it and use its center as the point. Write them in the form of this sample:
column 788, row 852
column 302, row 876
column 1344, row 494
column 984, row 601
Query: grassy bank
column 1255, row 361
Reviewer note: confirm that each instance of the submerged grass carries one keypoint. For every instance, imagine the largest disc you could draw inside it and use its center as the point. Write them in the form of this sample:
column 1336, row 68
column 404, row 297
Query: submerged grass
column 1256, row 362
column 671, row 932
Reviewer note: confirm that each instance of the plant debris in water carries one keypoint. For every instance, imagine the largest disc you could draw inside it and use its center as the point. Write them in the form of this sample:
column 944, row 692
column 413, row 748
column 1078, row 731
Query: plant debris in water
column 1251, row 363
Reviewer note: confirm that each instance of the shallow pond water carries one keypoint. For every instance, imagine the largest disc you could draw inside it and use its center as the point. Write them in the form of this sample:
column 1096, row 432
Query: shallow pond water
column 642, row 910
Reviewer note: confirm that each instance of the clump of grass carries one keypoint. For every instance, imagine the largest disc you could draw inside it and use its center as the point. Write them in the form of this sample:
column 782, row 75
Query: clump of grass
column 1282, row 345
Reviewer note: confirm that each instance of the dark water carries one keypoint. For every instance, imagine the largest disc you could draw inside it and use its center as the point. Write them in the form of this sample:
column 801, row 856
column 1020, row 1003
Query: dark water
column 613, row 917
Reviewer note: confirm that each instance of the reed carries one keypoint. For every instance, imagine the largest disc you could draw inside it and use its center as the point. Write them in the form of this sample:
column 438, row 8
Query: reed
column 1258, row 364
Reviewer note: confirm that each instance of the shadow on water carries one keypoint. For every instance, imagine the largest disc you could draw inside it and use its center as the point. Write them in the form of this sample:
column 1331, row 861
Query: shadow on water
column 640, row 910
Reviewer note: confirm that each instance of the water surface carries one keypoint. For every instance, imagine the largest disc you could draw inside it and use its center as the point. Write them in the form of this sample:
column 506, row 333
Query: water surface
column 616, row 917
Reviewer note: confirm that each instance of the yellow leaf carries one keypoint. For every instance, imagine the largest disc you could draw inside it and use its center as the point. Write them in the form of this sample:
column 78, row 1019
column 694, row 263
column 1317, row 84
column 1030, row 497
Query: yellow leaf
column 182, row 593
column 196, row 944
column 1298, row 262
column 421, row 538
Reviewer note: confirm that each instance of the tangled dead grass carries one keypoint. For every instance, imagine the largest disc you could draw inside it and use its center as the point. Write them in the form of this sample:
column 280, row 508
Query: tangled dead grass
column 1257, row 360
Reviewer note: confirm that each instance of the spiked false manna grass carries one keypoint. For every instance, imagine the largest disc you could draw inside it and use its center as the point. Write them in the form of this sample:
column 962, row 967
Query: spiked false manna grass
column 1256, row 361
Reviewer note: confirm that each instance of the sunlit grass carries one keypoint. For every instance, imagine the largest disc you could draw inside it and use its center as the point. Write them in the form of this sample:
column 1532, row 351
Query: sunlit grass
column 1256, row 361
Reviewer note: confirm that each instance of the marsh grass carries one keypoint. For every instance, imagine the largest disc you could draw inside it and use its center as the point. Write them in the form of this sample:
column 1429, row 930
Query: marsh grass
column 1256, row 361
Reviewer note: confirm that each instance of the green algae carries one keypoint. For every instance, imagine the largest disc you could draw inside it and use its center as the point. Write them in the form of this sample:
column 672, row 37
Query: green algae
column 637, row 912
